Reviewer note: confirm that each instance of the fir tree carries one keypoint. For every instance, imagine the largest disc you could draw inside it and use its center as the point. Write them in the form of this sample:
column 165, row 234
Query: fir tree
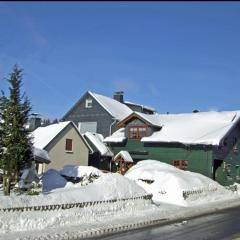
column 16, row 143
column 3, row 101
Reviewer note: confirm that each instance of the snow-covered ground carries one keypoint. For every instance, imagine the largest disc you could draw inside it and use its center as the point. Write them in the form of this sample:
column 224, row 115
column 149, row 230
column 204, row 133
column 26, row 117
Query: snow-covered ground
column 84, row 221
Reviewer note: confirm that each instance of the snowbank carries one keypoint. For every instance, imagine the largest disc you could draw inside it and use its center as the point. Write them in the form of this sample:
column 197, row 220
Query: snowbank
column 108, row 186
column 174, row 186
column 79, row 171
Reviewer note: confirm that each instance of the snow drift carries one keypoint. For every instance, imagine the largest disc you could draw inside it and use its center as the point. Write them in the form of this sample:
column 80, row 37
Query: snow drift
column 59, row 191
column 171, row 185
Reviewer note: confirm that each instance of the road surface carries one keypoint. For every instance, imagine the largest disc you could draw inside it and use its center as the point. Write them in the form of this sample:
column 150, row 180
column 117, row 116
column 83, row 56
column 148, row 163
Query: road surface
column 224, row 225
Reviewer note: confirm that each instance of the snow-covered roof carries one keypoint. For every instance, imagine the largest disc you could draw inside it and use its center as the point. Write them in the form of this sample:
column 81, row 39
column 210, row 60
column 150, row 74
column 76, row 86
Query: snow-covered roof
column 42, row 136
column 116, row 109
column 118, row 136
column 192, row 128
column 41, row 155
column 152, row 119
column 97, row 141
column 143, row 106
column 125, row 155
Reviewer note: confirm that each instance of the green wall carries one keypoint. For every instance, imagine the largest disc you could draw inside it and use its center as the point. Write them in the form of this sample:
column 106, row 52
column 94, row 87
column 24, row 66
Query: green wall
column 199, row 160
column 229, row 172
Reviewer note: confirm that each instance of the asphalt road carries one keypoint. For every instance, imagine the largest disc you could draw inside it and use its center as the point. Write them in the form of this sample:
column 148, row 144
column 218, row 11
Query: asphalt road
column 224, row 225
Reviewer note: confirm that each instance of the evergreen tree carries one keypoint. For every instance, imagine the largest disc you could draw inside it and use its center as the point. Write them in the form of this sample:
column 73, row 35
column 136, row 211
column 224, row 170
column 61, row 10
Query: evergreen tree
column 3, row 101
column 16, row 143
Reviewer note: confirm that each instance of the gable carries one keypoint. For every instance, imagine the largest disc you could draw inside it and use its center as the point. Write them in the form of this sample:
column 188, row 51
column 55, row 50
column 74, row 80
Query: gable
column 150, row 120
column 69, row 131
column 45, row 137
column 79, row 109
column 42, row 136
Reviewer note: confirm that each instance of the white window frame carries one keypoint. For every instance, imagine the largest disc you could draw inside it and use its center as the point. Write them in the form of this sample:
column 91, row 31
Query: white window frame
column 88, row 103
column 94, row 125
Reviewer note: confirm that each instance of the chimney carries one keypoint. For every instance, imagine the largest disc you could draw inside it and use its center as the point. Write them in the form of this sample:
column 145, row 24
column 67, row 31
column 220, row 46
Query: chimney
column 118, row 96
column 195, row 111
column 34, row 122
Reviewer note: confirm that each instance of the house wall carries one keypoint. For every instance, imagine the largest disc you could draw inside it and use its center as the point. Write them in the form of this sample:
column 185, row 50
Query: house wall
column 59, row 157
column 95, row 114
column 229, row 171
column 199, row 160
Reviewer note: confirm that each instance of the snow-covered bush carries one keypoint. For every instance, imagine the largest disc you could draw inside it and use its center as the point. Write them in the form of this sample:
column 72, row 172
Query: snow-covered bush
column 86, row 179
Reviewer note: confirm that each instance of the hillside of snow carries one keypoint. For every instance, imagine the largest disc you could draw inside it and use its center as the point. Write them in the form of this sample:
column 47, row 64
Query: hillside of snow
column 174, row 186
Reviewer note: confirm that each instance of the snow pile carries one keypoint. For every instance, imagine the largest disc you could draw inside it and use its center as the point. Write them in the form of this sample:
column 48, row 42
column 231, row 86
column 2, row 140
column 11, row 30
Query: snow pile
column 174, row 186
column 79, row 171
column 59, row 191
column 118, row 136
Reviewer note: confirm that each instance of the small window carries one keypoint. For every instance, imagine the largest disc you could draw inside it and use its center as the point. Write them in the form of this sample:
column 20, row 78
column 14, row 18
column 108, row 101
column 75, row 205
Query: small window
column 133, row 133
column 181, row 164
column 88, row 103
column 69, row 145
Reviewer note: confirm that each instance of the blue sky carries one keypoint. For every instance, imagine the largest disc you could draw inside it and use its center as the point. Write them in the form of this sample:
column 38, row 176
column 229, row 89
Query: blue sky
column 174, row 56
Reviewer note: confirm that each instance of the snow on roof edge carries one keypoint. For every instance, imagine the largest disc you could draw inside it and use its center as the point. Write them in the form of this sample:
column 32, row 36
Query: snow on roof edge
column 141, row 105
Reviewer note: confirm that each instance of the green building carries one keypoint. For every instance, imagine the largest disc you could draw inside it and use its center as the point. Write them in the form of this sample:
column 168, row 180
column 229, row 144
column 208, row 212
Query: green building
column 202, row 142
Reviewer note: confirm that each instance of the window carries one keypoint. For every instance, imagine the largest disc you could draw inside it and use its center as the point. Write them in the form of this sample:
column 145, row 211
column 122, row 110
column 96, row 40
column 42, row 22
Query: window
column 87, row 127
column 181, row 164
column 88, row 103
column 69, row 145
column 137, row 132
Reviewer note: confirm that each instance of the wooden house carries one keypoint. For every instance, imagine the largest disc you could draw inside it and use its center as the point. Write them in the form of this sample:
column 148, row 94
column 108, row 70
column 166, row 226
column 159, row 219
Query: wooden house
column 203, row 142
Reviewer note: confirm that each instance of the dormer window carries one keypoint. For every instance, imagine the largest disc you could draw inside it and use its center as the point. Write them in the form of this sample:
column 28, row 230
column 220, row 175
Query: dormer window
column 137, row 132
column 88, row 103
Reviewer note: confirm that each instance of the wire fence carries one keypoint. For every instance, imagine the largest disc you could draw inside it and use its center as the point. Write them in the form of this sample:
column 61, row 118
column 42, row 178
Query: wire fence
column 70, row 205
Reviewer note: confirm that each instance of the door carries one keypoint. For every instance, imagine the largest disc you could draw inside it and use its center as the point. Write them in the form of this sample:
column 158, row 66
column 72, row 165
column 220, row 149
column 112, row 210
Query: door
column 216, row 169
